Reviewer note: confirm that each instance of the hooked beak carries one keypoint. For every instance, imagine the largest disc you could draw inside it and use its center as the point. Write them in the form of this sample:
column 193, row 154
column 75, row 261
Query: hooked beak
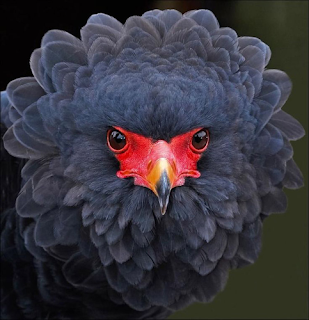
column 161, row 177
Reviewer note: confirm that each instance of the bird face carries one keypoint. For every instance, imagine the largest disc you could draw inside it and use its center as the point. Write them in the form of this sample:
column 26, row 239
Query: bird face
column 158, row 165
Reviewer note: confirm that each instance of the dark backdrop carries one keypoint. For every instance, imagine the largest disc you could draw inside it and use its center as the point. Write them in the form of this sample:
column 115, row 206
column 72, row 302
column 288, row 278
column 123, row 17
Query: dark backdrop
column 275, row 287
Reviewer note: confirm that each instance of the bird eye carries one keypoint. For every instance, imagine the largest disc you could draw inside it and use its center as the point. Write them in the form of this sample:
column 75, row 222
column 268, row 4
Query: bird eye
column 200, row 140
column 116, row 140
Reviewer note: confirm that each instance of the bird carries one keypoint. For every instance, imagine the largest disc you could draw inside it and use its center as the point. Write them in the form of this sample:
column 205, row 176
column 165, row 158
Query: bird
column 151, row 154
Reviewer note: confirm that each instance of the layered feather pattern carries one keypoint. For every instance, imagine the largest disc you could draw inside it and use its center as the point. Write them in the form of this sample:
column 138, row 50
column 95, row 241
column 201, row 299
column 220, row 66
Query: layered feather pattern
column 94, row 237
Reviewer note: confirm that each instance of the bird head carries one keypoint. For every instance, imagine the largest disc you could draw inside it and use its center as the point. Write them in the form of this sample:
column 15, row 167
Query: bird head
column 157, row 148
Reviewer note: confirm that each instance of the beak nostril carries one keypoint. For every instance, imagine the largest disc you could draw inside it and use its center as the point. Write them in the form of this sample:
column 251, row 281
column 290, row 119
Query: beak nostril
column 173, row 164
column 149, row 165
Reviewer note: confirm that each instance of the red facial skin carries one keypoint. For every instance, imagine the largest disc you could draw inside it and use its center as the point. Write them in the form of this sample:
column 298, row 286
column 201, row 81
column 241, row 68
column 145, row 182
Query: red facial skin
column 139, row 155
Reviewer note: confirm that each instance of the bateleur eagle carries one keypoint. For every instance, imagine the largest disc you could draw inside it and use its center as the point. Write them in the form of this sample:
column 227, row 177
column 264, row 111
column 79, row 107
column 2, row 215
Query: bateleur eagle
column 153, row 152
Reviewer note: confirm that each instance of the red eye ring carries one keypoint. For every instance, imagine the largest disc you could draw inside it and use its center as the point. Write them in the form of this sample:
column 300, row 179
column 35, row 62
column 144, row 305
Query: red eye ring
column 116, row 140
column 200, row 140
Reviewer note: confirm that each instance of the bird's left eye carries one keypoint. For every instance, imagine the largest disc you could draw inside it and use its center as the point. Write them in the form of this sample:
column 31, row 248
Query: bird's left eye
column 116, row 140
column 200, row 140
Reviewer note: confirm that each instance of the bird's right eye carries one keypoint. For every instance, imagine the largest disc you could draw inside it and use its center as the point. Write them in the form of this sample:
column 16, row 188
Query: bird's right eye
column 116, row 140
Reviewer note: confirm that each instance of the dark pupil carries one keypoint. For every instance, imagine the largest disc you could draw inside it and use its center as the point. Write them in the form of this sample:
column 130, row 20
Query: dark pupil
column 117, row 140
column 199, row 140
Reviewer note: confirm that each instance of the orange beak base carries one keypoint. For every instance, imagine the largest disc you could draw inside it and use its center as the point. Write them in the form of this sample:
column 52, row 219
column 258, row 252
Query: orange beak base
column 161, row 179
